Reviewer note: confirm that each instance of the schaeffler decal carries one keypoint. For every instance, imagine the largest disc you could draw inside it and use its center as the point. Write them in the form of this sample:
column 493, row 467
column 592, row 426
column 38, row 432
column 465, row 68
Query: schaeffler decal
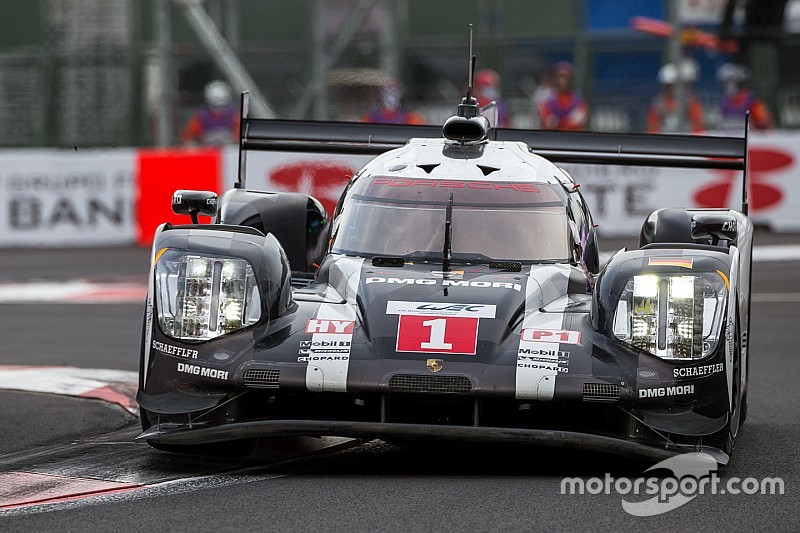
column 328, row 351
column 170, row 349
column 697, row 371
column 430, row 327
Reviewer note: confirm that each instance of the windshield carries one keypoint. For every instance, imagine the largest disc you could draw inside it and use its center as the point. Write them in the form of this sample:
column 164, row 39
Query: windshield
column 491, row 220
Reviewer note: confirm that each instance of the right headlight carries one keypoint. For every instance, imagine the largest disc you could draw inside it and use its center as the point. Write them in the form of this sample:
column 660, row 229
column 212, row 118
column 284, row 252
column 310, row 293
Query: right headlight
column 201, row 297
column 672, row 316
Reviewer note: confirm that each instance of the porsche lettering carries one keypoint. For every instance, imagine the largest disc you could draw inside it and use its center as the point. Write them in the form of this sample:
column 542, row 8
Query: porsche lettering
column 456, row 184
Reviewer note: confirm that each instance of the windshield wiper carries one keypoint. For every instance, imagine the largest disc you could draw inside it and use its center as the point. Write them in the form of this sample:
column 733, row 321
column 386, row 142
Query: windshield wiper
column 448, row 235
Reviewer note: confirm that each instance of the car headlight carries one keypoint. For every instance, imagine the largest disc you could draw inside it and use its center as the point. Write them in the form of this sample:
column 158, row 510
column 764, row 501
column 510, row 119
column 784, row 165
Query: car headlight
column 202, row 297
column 672, row 316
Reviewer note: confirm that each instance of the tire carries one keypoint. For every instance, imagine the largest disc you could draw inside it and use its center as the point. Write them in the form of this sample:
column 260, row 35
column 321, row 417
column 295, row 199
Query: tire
column 234, row 448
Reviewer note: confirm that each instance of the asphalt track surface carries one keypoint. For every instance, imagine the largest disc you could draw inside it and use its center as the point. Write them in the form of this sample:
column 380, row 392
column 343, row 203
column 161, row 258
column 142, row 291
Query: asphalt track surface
column 340, row 485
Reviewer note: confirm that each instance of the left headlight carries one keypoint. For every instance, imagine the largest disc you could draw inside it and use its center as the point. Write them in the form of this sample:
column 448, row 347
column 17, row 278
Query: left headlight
column 672, row 316
column 201, row 297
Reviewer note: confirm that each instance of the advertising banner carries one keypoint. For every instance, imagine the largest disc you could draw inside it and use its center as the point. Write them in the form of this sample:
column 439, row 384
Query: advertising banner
column 65, row 197
column 620, row 197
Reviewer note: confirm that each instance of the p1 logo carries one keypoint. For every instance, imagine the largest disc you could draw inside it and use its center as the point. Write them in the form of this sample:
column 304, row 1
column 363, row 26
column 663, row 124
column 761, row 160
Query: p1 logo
column 552, row 335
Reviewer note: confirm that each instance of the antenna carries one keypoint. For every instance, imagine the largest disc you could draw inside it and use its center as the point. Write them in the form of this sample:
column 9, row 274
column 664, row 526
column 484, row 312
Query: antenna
column 744, row 171
column 470, row 66
column 448, row 235
column 469, row 105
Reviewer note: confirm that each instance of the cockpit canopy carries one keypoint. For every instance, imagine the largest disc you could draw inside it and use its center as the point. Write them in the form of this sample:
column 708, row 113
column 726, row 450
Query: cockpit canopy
column 491, row 220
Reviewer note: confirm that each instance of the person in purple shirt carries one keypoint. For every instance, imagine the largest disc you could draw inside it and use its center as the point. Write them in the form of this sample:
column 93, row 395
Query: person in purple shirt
column 215, row 123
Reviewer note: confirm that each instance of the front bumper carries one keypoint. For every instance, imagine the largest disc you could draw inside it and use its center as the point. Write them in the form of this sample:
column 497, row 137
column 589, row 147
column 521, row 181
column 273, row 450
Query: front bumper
column 183, row 435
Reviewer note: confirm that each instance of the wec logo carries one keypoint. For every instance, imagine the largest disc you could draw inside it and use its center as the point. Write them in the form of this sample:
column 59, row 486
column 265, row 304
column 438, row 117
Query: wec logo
column 451, row 307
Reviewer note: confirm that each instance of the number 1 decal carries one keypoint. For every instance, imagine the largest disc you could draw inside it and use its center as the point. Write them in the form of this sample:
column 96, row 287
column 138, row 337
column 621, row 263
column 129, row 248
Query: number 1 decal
column 447, row 334
column 436, row 342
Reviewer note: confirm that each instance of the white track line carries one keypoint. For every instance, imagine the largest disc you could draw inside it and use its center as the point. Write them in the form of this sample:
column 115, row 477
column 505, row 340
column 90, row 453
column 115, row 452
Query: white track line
column 113, row 386
column 75, row 291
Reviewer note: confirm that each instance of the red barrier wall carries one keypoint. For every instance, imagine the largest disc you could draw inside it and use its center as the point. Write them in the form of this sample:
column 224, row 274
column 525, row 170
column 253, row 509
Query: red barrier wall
column 161, row 172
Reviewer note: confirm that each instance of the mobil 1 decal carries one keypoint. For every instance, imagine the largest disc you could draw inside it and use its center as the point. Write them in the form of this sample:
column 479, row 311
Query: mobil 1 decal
column 540, row 358
column 432, row 327
column 328, row 350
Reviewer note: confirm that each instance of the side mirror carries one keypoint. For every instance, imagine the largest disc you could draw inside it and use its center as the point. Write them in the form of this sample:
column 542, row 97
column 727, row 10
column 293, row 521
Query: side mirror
column 714, row 227
column 194, row 203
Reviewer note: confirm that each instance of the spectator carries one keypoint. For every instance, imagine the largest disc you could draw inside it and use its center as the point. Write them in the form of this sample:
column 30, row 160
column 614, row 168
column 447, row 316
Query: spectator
column 663, row 117
column 389, row 110
column 486, row 89
column 565, row 109
column 215, row 123
column 738, row 99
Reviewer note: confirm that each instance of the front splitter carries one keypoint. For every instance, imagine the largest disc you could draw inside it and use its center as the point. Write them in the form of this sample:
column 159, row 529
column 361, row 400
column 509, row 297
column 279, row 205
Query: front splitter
column 185, row 435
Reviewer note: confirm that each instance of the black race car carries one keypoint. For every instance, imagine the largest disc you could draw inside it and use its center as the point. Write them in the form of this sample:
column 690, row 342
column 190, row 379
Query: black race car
column 456, row 294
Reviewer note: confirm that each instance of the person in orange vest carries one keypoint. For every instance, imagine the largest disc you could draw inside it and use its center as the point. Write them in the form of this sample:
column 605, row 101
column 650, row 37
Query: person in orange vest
column 565, row 109
column 663, row 116
column 215, row 123
column 389, row 110
column 486, row 89
column 738, row 100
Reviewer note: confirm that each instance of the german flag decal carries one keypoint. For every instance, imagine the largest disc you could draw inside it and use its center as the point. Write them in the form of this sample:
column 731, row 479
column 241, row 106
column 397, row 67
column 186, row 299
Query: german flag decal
column 683, row 262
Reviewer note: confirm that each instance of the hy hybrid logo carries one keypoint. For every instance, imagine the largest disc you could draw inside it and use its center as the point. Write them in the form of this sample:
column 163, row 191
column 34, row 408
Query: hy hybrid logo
column 693, row 474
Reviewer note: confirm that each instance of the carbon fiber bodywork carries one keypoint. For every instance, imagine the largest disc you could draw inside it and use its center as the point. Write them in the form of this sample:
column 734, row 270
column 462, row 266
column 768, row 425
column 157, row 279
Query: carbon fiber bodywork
column 361, row 350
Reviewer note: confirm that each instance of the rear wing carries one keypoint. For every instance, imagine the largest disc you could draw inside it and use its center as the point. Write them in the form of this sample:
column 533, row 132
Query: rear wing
column 634, row 149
